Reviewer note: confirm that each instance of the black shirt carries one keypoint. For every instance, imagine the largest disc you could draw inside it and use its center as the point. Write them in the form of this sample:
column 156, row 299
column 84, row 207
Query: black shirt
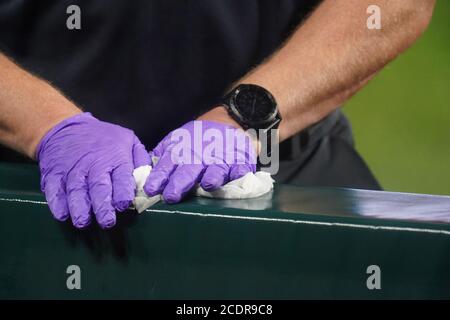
column 147, row 65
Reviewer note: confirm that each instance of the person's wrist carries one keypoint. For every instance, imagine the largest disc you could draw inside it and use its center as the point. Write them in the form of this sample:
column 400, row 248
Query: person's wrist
column 220, row 114
column 48, row 127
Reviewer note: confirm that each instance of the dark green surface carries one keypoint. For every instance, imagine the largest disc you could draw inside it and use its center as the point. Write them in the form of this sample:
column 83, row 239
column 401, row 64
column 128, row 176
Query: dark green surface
column 306, row 243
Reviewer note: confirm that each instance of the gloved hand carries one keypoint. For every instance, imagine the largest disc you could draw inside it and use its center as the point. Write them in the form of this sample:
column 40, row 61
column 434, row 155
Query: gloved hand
column 86, row 166
column 186, row 158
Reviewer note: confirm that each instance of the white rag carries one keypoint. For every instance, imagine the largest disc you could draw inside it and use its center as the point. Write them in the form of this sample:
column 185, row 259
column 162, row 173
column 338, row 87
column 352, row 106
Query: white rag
column 251, row 185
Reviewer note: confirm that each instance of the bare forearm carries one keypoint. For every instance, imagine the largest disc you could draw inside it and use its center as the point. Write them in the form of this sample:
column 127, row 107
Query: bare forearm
column 29, row 107
column 333, row 54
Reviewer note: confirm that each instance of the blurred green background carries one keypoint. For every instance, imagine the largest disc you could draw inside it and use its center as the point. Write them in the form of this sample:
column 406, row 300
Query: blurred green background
column 401, row 119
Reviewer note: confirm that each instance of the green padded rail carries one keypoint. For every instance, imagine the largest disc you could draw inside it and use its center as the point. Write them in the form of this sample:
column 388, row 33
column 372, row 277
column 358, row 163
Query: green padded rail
column 293, row 243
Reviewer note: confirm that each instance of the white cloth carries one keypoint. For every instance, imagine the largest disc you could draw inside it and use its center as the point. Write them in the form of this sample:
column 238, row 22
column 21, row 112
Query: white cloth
column 141, row 200
column 251, row 185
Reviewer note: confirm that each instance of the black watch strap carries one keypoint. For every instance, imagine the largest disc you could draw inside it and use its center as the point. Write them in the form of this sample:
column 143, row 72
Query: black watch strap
column 238, row 108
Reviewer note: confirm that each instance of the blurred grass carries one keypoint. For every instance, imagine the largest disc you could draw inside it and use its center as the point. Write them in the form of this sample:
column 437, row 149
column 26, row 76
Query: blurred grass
column 401, row 120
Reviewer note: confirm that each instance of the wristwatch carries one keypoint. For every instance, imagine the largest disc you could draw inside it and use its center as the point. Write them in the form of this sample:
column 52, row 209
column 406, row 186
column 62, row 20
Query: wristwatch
column 253, row 107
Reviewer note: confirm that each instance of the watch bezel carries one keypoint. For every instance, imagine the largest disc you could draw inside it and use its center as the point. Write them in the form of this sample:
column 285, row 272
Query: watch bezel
column 250, row 122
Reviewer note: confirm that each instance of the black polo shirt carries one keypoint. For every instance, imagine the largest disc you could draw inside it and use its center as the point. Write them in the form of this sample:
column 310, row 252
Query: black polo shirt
column 149, row 65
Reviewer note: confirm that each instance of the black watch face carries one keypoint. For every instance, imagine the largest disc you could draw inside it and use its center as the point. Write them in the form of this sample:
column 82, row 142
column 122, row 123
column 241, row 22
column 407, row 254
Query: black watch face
column 255, row 104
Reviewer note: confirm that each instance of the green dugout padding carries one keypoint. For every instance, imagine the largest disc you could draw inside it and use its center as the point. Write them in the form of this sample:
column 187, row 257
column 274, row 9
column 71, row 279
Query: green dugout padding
column 294, row 243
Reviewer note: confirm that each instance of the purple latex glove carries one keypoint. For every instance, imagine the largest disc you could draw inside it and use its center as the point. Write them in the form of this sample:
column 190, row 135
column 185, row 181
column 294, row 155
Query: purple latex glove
column 87, row 166
column 186, row 158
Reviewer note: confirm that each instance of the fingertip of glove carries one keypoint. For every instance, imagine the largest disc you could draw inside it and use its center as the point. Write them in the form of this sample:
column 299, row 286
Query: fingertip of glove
column 171, row 197
column 61, row 217
column 211, row 184
column 239, row 171
column 60, row 212
column 151, row 188
column 122, row 205
column 81, row 222
column 108, row 223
